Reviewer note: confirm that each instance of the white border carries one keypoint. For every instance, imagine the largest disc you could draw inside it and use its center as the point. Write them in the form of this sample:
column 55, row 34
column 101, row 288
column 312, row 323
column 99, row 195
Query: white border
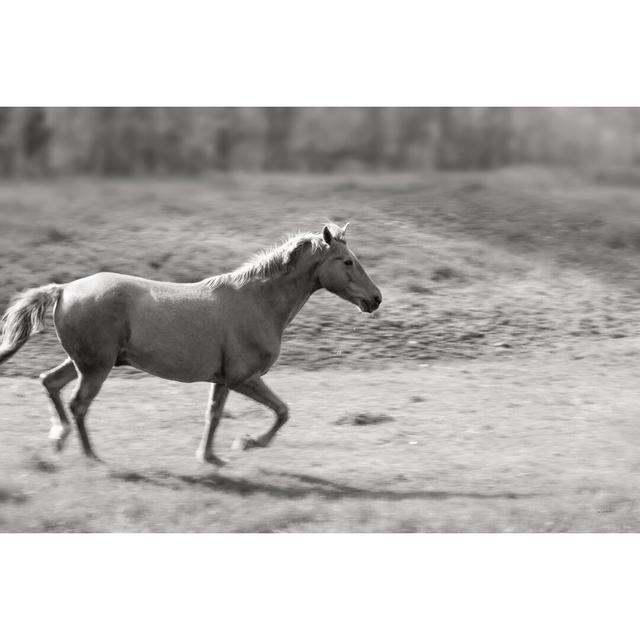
column 319, row 586
column 329, row 52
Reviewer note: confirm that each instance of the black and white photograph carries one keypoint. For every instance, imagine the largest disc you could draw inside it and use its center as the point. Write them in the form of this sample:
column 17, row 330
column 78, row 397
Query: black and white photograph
column 319, row 320
column 341, row 319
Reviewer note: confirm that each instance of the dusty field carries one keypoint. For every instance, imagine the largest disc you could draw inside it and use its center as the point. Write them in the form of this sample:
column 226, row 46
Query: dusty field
column 546, row 443
column 503, row 363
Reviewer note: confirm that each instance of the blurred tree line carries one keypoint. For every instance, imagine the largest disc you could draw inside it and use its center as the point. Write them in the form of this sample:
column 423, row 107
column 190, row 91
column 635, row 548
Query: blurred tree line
column 37, row 141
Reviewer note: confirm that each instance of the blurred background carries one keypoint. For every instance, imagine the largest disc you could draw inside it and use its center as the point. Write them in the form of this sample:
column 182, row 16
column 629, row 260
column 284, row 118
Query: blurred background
column 144, row 141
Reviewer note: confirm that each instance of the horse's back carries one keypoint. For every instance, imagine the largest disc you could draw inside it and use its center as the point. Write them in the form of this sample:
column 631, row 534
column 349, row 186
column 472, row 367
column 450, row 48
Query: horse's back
column 104, row 288
column 102, row 295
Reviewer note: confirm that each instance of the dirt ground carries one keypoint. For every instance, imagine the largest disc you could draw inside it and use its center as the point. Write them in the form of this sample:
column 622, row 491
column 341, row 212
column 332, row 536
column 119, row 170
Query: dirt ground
column 546, row 443
column 495, row 390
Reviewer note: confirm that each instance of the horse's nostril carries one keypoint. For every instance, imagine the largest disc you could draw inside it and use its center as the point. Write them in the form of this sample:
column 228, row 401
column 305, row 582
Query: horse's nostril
column 377, row 300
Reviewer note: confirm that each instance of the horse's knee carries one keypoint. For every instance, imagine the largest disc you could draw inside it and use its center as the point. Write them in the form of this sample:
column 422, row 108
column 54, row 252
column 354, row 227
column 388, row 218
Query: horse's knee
column 77, row 407
column 53, row 381
column 283, row 413
column 45, row 381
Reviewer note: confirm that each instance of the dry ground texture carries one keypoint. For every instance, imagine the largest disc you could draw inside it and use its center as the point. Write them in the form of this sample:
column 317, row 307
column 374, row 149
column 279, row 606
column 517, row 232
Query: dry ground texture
column 493, row 391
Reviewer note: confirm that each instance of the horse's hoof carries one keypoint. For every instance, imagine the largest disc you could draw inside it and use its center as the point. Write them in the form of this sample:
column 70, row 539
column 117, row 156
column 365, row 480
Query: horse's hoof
column 240, row 443
column 58, row 437
column 210, row 458
column 246, row 442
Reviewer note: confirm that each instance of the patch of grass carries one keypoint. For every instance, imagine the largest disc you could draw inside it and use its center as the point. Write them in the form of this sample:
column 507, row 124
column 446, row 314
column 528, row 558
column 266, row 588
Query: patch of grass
column 362, row 419
column 446, row 273
column 419, row 289
column 618, row 176
column 519, row 236
column 64, row 525
column 472, row 187
column 40, row 464
column 408, row 525
column 160, row 261
column 9, row 495
column 622, row 236
column 52, row 235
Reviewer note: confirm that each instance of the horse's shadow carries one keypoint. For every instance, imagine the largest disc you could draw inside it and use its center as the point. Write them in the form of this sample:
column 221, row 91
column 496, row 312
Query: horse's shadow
column 297, row 485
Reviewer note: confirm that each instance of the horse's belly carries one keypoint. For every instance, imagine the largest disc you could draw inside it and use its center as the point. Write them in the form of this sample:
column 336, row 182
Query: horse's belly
column 168, row 347
column 195, row 370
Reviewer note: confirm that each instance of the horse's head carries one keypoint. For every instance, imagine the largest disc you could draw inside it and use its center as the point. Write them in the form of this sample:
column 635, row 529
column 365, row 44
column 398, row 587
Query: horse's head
column 342, row 274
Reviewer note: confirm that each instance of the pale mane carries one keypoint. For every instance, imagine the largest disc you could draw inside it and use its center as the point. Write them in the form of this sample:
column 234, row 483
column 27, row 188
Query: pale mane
column 270, row 263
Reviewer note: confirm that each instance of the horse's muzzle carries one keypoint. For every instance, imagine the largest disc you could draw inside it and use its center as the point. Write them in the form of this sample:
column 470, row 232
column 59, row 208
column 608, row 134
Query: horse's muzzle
column 370, row 305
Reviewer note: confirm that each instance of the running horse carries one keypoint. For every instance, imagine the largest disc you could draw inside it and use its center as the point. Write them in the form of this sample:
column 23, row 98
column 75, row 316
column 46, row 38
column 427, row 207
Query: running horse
column 226, row 329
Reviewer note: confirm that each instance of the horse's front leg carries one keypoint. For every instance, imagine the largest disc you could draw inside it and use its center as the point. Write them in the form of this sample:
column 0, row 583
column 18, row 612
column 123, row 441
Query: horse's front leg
column 257, row 390
column 218, row 397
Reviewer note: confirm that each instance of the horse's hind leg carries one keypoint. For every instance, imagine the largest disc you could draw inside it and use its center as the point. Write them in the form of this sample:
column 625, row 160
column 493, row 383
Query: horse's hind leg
column 257, row 390
column 88, row 387
column 219, row 394
column 53, row 381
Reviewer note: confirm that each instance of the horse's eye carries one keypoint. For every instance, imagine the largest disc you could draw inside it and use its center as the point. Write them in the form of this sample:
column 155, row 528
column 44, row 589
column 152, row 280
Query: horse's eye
column 349, row 263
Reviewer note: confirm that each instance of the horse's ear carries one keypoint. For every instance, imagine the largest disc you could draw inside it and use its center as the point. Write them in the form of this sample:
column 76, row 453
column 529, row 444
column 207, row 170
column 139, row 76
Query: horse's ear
column 344, row 229
column 326, row 234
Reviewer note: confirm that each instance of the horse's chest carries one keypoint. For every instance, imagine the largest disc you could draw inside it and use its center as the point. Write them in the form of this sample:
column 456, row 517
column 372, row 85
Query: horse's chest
column 268, row 358
column 250, row 355
column 264, row 356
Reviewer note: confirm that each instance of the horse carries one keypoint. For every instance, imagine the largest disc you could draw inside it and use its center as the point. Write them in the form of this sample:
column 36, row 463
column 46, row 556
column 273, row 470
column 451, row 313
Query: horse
column 226, row 329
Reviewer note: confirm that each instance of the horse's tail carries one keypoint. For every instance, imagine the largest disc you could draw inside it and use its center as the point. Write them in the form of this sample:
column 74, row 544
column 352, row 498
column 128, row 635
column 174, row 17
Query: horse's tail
column 25, row 316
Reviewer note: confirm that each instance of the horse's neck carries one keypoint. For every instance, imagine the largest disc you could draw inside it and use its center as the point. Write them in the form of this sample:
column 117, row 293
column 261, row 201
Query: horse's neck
column 287, row 294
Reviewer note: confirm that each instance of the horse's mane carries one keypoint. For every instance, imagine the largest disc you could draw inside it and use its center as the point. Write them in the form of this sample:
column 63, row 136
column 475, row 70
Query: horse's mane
column 269, row 263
